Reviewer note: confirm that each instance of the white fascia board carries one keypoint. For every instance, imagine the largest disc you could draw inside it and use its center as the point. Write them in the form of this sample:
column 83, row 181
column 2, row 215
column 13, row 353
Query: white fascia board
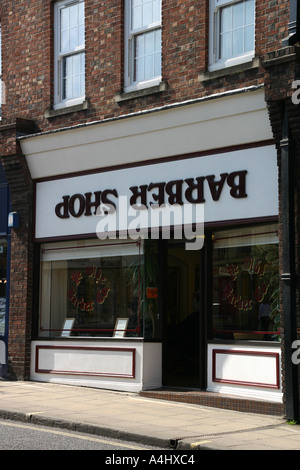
column 200, row 126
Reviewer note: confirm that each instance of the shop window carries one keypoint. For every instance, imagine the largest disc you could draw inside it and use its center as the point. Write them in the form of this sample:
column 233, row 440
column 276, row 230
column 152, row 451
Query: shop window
column 3, row 284
column 90, row 289
column 246, row 284
column 142, row 44
column 69, row 49
column 232, row 32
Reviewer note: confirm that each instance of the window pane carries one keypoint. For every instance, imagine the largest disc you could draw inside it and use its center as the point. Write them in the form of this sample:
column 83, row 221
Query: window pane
column 238, row 15
column 246, row 284
column 73, row 34
column 64, row 19
column 64, row 46
column 72, row 27
column 156, row 10
column 147, row 56
column 149, row 67
column 145, row 13
column 226, row 19
column 237, row 42
column 95, row 292
column 249, row 12
column 137, row 15
column 249, row 38
column 73, row 76
column 236, row 35
column 226, row 46
column 73, row 11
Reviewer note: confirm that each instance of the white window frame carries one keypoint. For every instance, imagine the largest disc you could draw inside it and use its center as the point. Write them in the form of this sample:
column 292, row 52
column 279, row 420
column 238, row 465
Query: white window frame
column 59, row 102
column 215, row 7
column 129, row 37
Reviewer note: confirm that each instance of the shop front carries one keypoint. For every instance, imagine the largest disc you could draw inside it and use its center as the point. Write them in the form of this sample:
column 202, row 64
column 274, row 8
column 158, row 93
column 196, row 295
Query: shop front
column 158, row 271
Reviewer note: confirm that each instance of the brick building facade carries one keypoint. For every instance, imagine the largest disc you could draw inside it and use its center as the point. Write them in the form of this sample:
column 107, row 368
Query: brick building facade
column 52, row 134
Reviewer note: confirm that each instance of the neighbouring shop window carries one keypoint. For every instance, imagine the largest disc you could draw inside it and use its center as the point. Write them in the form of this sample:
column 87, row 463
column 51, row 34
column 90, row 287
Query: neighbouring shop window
column 246, row 284
column 92, row 286
column 3, row 284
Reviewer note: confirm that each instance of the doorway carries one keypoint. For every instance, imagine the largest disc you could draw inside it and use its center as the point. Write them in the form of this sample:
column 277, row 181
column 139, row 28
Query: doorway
column 182, row 316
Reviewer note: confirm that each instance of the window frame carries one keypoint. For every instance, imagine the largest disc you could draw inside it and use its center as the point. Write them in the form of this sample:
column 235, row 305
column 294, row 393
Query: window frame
column 229, row 288
column 215, row 7
column 88, row 254
column 59, row 102
column 129, row 37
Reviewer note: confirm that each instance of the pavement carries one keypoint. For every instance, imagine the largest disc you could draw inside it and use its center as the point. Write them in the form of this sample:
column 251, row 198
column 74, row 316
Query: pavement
column 128, row 416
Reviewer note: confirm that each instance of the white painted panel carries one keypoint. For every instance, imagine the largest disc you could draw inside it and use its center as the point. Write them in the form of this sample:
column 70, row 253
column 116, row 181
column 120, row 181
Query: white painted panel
column 246, row 368
column 87, row 361
column 119, row 363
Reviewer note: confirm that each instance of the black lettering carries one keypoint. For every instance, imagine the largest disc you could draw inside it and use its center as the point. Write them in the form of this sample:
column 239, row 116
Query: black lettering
column 160, row 197
column 197, row 187
column 138, row 192
column 238, row 190
column 105, row 200
column 174, row 191
column 216, row 186
column 62, row 209
column 77, row 212
column 89, row 203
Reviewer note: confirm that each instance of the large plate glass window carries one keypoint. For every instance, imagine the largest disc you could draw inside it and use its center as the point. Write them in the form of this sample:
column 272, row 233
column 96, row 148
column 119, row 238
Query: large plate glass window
column 142, row 43
column 92, row 285
column 246, row 284
column 232, row 32
column 69, row 67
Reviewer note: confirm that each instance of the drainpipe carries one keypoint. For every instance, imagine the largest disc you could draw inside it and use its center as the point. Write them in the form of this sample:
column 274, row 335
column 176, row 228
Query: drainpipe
column 288, row 273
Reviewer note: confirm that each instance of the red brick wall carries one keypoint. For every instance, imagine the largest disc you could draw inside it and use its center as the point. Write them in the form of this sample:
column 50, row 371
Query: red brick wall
column 27, row 31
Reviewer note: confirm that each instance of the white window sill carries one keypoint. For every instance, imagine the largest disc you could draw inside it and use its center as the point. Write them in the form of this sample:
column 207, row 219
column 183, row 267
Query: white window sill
column 231, row 62
column 137, row 92
column 69, row 103
column 142, row 85
column 229, row 70
column 59, row 111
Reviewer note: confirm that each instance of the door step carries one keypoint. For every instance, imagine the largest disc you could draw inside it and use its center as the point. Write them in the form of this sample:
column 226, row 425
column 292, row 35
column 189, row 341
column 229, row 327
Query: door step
column 216, row 400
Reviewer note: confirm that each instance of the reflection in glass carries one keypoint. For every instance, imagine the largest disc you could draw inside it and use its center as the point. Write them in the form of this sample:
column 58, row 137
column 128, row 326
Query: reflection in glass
column 246, row 284
column 94, row 291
